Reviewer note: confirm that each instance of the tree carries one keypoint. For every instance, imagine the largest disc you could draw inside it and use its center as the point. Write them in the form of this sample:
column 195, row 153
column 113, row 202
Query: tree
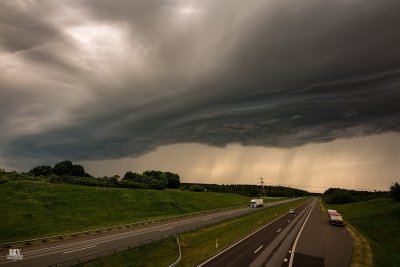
column 395, row 191
column 173, row 180
column 157, row 175
column 63, row 168
column 155, row 184
column 134, row 177
column 339, row 196
column 169, row 179
column 77, row 170
column 67, row 168
column 42, row 170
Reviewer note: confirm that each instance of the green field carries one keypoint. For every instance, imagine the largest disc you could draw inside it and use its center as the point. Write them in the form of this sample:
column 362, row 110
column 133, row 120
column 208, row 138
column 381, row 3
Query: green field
column 379, row 221
column 36, row 208
column 197, row 245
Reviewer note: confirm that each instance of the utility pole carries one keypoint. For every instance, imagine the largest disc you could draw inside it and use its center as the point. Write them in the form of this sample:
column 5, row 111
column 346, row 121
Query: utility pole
column 262, row 190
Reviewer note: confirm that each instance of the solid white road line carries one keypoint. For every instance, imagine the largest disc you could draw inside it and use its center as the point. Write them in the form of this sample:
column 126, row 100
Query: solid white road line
column 129, row 233
column 244, row 238
column 258, row 249
column 66, row 252
column 298, row 236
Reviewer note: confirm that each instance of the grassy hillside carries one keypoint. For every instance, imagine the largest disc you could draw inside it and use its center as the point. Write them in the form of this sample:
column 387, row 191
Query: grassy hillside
column 379, row 221
column 36, row 208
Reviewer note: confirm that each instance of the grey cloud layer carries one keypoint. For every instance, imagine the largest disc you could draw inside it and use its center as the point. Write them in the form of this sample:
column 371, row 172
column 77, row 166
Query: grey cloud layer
column 107, row 79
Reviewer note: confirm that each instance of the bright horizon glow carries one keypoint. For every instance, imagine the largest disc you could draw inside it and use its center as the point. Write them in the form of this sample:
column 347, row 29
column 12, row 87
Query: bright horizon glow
column 349, row 164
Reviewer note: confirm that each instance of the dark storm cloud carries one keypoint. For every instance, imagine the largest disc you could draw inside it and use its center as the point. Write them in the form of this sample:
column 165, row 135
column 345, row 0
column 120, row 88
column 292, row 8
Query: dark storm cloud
column 22, row 25
column 270, row 73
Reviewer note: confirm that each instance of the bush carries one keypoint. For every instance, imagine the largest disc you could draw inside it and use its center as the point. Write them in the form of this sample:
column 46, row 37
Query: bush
column 3, row 180
column 88, row 181
column 196, row 188
column 132, row 185
column 43, row 170
column 155, row 184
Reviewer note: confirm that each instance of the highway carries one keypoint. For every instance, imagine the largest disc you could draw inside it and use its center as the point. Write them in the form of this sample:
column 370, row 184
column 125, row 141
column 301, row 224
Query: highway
column 66, row 252
column 304, row 238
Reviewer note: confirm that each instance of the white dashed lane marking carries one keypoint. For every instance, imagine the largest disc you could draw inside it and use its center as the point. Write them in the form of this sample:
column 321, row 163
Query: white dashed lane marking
column 258, row 249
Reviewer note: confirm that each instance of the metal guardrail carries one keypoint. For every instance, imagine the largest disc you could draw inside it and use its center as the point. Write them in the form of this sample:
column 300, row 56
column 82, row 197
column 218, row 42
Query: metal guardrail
column 99, row 230
column 107, row 252
column 136, row 244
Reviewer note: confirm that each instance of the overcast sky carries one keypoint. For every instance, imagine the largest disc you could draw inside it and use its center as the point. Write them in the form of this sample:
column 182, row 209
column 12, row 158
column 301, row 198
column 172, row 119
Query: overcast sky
column 303, row 92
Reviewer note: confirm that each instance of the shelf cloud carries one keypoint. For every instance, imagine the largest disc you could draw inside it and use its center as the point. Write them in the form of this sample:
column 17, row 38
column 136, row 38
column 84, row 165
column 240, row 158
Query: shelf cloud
column 91, row 80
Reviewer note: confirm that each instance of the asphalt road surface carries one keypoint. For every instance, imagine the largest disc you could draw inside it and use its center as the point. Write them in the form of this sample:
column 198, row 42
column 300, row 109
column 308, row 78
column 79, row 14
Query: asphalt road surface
column 307, row 232
column 68, row 251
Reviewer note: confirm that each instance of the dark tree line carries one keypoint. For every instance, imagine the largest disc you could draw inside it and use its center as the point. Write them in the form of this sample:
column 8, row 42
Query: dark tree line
column 342, row 196
column 60, row 169
column 69, row 173
column 156, row 178
column 250, row 190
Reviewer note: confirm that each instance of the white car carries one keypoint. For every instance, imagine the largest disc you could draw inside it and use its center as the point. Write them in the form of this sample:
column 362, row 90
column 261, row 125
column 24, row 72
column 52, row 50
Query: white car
column 291, row 211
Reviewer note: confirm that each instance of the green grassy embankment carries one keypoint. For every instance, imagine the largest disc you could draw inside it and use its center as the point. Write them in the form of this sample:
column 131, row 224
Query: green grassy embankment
column 197, row 245
column 379, row 221
column 32, row 209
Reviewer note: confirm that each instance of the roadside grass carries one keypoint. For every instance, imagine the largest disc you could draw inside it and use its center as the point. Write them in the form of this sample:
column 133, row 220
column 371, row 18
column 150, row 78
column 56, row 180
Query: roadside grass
column 362, row 254
column 321, row 206
column 379, row 221
column 200, row 244
column 160, row 253
column 32, row 209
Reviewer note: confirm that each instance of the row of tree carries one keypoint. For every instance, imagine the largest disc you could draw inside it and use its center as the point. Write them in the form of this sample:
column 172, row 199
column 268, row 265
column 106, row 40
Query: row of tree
column 342, row 196
column 249, row 190
column 67, row 172
column 166, row 179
